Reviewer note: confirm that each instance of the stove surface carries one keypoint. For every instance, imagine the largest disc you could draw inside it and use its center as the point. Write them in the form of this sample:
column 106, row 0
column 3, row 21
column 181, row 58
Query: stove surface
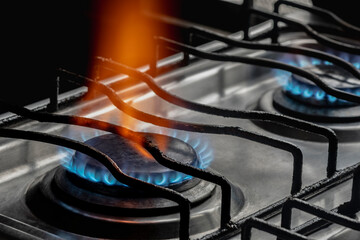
column 263, row 173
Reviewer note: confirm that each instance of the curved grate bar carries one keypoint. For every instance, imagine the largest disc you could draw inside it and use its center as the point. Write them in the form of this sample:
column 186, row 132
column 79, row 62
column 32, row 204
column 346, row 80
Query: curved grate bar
column 211, row 35
column 143, row 141
column 262, row 225
column 332, row 162
column 172, row 195
column 355, row 191
column 320, row 12
column 256, row 115
column 310, row 32
column 308, row 192
column 192, row 127
column 263, row 62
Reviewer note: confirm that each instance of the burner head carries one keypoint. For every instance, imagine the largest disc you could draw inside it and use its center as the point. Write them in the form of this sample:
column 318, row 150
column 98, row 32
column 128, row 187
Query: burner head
column 343, row 120
column 134, row 160
column 124, row 213
column 303, row 90
column 96, row 206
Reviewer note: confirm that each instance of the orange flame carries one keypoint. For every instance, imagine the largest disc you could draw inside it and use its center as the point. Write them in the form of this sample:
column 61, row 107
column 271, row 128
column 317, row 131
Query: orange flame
column 122, row 32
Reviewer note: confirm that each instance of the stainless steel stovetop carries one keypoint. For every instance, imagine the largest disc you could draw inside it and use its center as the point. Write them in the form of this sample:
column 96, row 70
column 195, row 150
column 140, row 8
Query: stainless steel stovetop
column 262, row 173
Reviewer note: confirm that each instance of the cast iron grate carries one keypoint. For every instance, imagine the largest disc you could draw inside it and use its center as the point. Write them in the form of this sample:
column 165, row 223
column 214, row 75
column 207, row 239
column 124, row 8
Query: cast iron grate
column 257, row 220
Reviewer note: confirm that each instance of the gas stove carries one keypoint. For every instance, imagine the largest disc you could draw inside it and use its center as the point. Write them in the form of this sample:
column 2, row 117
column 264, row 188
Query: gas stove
column 232, row 139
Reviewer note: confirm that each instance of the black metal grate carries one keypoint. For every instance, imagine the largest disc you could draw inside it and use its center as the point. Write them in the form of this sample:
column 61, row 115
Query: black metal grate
column 341, row 215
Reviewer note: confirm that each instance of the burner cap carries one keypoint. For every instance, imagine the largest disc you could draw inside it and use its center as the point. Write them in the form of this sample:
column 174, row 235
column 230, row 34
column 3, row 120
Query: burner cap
column 134, row 160
column 305, row 91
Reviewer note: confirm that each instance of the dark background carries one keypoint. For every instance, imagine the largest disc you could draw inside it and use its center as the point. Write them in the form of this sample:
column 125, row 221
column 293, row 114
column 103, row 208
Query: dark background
column 40, row 36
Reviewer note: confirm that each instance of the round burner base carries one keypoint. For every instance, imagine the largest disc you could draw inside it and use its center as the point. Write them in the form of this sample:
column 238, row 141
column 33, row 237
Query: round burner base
column 291, row 107
column 344, row 121
column 101, row 198
column 125, row 217
column 134, row 160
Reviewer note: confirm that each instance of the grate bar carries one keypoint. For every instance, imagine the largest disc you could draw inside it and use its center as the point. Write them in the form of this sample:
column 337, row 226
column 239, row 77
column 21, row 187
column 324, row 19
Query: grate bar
column 355, row 192
column 211, row 35
column 192, row 127
column 269, row 228
column 333, row 217
column 147, row 144
column 320, row 12
column 310, row 32
column 347, row 209
column 275, row 208
column 256, row 115
column 263, row 62
column 317, row 224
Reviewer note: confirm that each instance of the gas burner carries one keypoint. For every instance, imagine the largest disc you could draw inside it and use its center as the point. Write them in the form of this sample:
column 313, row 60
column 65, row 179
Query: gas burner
column 96, row 205
column 134, row 160
column 292, row 107
column 303, row 90
column 300, row 98
column 344, row 120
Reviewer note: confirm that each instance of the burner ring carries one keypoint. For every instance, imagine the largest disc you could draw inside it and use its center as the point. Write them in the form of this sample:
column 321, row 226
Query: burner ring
column 346, row 129
column 294, row 108
column 49, row 202
column 134, row 160
column 131, row 200
column 305, row 91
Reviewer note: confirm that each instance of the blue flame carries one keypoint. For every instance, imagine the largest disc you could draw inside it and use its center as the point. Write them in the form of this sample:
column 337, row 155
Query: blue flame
column 309, row 91
column 92, row 173
column 298, row 88
column 109, row 179
column 331, row 99
column 320, row 95
column 315, row 61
